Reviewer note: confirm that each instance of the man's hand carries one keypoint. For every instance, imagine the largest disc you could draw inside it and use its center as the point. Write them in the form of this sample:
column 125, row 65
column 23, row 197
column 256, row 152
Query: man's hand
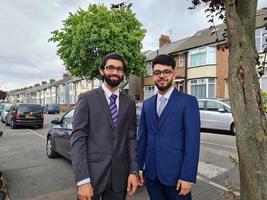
column 132, row 184
column 185, row 187
column 85, row 191
column 141, row 179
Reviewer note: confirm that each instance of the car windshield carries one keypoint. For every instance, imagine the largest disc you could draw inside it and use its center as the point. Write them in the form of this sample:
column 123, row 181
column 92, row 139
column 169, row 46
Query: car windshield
column 54, row 105
column 29, row 108
column 7, row 107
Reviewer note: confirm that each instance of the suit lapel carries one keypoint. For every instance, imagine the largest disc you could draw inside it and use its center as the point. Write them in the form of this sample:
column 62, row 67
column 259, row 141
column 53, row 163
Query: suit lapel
column 167, row 108
column 104, row 104
column 154, row 111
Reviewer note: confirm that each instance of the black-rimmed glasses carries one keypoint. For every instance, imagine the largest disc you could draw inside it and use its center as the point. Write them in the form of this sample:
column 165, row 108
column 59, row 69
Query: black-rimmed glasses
column 112, row 68
column 165, row 72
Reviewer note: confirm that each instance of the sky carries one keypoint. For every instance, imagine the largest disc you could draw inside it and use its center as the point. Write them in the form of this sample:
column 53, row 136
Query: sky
column 27, row 58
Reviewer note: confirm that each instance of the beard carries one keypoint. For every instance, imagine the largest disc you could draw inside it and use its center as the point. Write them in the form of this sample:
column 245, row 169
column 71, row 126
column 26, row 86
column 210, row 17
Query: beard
column 110, row 82
column 164, row 88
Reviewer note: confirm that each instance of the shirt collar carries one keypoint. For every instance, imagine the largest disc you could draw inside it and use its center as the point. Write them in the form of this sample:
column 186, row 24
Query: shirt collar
column 167, row 94
column 108, row 93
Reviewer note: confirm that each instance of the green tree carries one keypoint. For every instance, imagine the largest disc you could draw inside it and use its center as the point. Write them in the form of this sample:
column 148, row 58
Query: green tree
column 88, row 35
column 245, row 95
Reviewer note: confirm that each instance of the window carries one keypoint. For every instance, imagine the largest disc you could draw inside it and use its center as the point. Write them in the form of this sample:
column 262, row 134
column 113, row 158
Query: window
column 84, row 84
column 213, row 106
column 53, row 89
column 149, row 68
column 71, row 86
column 96, row 83
column 202, row 56
column 260, row 37
column 181, row 60
column 201, row 105
column 72, row 99
column 149, row 91
column 202, row 88
column 68, row 118
column 48, row 91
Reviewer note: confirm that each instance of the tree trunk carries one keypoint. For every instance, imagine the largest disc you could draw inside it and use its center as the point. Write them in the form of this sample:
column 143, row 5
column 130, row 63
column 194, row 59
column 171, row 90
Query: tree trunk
column 245, row 96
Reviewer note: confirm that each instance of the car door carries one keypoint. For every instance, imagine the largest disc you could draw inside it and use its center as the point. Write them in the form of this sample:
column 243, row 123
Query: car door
column 63, row 134
column 216, row 116
column 10, row 114
column 201, row 105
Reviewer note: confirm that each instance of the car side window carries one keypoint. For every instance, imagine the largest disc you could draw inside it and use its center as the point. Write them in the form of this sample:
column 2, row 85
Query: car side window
column 213, row 106
column 68, row 118
column 201, row 105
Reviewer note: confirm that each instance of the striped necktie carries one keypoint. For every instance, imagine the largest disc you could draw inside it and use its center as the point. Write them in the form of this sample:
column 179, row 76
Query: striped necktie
column 113, row 108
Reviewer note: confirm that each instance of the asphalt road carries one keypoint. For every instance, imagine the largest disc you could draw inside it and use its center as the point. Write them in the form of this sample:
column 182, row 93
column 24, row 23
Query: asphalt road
column 31, row 175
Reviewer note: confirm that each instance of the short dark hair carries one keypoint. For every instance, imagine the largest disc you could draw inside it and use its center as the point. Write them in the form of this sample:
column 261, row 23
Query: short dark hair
column 115, row 56
column 164, row 59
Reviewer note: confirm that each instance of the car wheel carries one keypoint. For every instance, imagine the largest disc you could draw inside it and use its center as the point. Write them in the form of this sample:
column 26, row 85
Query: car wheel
column 50, row 151
column 13, row 125
column 233, row 130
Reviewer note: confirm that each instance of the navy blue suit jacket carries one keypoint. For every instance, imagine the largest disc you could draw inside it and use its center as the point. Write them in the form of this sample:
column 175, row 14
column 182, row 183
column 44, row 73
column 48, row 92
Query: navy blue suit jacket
column 168, row 147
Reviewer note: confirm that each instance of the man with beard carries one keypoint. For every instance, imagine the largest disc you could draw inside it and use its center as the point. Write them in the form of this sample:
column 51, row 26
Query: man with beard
column 168, row 137
column 103, row 140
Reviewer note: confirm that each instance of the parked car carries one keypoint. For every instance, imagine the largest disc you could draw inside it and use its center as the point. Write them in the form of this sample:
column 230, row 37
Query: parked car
column 58, row 136
column 51, row 108
column 216, row 114
column 25, row 114
column 4, row 112
column 1, row 108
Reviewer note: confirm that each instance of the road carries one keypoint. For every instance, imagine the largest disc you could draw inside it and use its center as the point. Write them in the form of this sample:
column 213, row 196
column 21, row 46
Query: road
column 31, row 175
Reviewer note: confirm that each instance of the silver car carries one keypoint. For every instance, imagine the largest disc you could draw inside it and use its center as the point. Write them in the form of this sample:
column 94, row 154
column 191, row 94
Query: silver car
column 6, row 108
column 216, row 114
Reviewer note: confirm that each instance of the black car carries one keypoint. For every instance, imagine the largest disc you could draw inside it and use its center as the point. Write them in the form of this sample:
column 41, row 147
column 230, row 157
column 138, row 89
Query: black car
column 58, row 136
column 26, row 115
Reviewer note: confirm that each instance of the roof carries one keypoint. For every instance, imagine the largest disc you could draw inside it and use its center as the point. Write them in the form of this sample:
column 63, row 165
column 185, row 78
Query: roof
column 201, row 38
column 261, row 14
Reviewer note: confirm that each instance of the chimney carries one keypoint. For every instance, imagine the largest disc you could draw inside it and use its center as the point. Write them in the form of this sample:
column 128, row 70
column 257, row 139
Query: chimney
column 164, row 39
column 31, row 87
column 36, row 85
column 44, row 82
column 51, row 80
column 65, row 75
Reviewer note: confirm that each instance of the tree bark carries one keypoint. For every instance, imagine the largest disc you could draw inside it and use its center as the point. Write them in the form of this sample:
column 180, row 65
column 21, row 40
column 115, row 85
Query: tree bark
column 245, row 96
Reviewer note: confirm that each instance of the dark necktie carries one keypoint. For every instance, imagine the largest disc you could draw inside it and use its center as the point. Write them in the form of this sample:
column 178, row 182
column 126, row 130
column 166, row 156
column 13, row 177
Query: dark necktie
column 113, row 108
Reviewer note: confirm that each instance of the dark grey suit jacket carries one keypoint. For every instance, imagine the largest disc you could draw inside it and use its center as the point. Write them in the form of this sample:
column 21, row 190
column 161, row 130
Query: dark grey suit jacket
column 100, row 150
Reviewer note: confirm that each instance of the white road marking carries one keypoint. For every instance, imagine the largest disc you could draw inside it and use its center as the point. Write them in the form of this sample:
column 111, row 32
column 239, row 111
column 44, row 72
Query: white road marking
column 219, row 145
column 36, row 133
column 211, row 183
column 215, row 184
column 210, row 170
column 219, row 152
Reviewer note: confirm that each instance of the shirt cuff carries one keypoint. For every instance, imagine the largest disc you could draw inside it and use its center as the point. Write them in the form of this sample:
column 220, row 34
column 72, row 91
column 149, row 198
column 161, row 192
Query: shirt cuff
column 187, row 182
column 87, row 180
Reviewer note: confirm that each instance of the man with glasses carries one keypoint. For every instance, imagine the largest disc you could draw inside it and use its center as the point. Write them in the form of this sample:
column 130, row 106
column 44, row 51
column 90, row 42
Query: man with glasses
column 168, row 137
column 103, row 140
